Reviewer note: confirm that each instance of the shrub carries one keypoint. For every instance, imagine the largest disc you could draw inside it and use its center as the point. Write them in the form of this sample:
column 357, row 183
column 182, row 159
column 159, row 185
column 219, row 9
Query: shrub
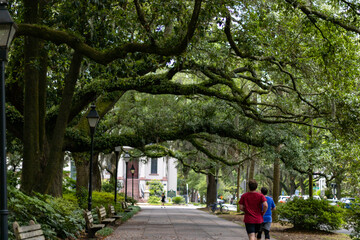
column 311, row 214
column 69, row 184
column 156, row 188
column 102, row 199
column 98, row 199
column 127, row 215
column 81, row 197
column 107, row 187
column 105, row 231
column 71, row 197
column 178, row 199
column 13, row 178
column 131, row 200
column 353, row 220
column 153, row 199
column 59, row 218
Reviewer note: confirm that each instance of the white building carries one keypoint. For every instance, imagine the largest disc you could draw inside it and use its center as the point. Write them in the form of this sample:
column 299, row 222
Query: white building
column 146, row 169
column 162, row 169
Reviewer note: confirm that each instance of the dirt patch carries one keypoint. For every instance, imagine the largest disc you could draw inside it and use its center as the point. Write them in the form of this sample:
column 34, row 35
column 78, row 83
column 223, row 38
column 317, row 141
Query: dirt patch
column 286, row 232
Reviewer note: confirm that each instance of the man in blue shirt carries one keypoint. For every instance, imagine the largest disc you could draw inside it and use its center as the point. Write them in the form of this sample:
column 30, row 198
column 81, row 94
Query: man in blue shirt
column 265, row 226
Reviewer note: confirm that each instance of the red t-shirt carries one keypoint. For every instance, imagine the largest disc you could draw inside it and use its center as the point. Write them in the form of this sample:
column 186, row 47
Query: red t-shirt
column 252, row 202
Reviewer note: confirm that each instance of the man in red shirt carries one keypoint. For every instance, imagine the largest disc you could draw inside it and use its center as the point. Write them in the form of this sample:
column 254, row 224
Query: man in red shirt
column 254, row 205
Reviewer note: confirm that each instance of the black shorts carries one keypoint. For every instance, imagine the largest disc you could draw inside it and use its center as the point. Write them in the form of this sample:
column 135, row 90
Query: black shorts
column 252, row 227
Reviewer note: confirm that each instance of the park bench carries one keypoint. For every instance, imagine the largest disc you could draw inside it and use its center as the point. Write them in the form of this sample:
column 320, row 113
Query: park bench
column 101, row 211
column 125, row 207
column 112, row 213
column 91, row 227
column 33, row 231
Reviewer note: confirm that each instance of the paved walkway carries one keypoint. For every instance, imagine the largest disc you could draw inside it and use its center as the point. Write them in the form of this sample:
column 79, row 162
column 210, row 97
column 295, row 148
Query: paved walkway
column 153, row 222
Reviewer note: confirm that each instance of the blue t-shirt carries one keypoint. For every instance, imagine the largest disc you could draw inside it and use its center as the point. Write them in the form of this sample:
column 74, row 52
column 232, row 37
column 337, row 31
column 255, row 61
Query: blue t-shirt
column 271, row 205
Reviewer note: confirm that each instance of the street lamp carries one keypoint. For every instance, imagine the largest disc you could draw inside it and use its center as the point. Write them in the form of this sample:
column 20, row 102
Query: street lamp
column 127, row 159
column 117, row 151
column 7, row 31
column 93, row 118
column 132, row 170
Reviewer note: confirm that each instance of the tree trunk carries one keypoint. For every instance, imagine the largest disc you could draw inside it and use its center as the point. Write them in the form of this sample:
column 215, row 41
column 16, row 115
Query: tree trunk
column 211, row 190
column 252, row 168
column 43, row 141
column 42, row 163
column 238, row 188
column 32, row 155
column 276, row 183
column 292, row 184
column 302, row 186
column 311, row 184
column 82, row 172
column 112, row 169
column 310, row 160
column 338, row 187
column 96, row 178
column 56, row 187
column 58, row 134
column 247, row 177
column 193, row 195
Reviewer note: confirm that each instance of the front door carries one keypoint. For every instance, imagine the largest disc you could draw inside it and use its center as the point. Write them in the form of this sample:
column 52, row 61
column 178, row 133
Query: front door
column 135, row 163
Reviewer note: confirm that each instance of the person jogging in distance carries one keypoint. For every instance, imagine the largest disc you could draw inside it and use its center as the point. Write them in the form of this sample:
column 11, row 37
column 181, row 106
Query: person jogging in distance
column 266, row 225
column 254, row 205
column 163, row 200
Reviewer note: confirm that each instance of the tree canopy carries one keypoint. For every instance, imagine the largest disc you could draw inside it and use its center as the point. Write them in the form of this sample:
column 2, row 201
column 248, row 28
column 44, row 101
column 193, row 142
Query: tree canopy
column 216, row 75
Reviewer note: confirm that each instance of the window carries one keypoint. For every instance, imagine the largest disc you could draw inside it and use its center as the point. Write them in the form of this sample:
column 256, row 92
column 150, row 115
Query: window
column 154, row 163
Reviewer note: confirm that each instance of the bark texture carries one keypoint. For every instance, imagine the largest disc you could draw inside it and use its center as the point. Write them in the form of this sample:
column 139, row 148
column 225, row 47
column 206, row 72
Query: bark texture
column 211, row 190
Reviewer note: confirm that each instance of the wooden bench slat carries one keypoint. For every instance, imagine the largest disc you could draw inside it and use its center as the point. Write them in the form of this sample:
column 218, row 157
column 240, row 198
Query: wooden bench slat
column 31, row 234
column 29, row 228
column 108, row 220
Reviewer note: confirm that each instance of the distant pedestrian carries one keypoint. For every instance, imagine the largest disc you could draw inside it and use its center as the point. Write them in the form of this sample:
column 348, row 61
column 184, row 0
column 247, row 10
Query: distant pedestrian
column 254, row 205
column 266, row 225
column 163, row 200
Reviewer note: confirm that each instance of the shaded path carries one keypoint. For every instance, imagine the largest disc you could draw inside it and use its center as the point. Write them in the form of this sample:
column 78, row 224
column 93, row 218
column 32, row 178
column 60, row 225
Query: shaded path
column 153, row 222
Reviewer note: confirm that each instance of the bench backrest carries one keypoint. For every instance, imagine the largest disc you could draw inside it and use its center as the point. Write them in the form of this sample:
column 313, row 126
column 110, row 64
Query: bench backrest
column 101, row 212
column 88, row 218
column 123, row 205
column 112, row 209
column 33, row 231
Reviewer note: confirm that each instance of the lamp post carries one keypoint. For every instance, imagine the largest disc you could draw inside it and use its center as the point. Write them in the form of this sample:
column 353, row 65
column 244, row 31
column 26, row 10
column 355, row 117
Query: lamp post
column 7, row 31
column 127, row 159
column 117, row 151
column 93, row 118
column 132, row 170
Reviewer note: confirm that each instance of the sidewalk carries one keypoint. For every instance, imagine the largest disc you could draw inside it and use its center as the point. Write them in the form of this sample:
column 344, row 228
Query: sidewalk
column 154, row 222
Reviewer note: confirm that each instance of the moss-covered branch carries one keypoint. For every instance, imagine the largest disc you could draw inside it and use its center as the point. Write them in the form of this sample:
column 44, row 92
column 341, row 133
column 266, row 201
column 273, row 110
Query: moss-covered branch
column 210, row 155
column 314, row 13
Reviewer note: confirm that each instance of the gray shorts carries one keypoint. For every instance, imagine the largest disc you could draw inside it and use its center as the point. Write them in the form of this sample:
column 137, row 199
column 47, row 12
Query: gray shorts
column 266, row 225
